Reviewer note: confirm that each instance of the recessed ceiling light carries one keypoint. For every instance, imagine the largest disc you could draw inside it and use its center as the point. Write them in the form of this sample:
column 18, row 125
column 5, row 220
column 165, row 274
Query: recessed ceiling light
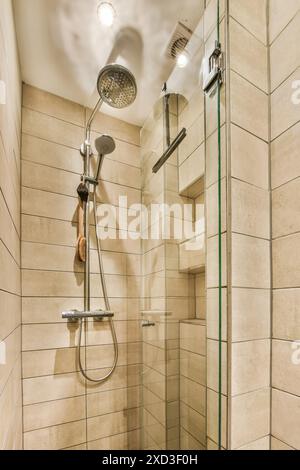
column 106, row 14
column 182, row 59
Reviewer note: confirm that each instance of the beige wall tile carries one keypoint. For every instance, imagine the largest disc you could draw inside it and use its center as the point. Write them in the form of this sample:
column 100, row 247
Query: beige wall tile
column 42, row 177
column 193, row 395
column 51, row 284
column 52, row 129
column 195, row 136
column 54, row 206
column 129, row 440
column 213, row 366
column 10, row 314
column 56, row 437
column 212, row 206
column 11, row 346
column 251, row 314
column 8, row 232
column 250, row 262
column 119, row 129
column 287, row 40
column 281, row 15
column 211, row 157
column 10, row 274
column 285, row 370
column 39, row 100
column 187, row 173
column 286, row 318
column 285, row 161
column 285, row 271
column 192, row 338
column 279, row 445
column 284, row 113
column 50, row 231
column 249, row 158
column 99, row 404
column 110, row 424
column 188, row 442
column 250, row 366
column 193, row 366
column 51, row 154
column 246, row 99
column 52, row 387
column 53, row 413
column 260, row 444
column 49, row 336
column 241, row 58
column 212, row 262
column 49, row 362
column 252, row 14
column 250, row 210
column 213, row 417
column 194, row 423
column 285, row 422
column 250, row 417
column 213, row 314
column 47, row 310
column 286, row 212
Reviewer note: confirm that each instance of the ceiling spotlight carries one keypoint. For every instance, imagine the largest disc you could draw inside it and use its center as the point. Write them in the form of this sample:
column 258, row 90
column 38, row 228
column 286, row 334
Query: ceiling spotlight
column 182, row 59
column 106, row 14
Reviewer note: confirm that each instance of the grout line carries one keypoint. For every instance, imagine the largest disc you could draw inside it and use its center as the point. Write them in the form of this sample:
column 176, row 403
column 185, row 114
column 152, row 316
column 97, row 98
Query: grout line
column 248, row 30
column 282, row 185
column 284, row 28
column 286, row 392
column 285, row 131
column 249, row 82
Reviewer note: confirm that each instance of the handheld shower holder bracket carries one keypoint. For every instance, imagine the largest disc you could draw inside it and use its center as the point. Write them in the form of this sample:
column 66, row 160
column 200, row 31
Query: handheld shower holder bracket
column 88, row 179
column 83, row 149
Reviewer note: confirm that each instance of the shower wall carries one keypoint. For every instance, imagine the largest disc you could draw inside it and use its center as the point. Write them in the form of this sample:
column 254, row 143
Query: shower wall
column 285, row 142
column 60, row 409
column 248, row 241
column 10, row 274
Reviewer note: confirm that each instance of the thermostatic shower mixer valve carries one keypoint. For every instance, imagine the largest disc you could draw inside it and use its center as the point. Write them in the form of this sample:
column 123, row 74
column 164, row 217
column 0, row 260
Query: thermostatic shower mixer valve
column 213, row 68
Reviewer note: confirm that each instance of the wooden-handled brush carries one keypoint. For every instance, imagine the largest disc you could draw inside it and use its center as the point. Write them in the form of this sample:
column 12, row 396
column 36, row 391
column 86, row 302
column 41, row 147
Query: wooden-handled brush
column 81, row 240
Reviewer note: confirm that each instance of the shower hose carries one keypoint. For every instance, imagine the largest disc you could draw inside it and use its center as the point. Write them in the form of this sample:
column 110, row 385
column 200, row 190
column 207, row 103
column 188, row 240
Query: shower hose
column 107, row 306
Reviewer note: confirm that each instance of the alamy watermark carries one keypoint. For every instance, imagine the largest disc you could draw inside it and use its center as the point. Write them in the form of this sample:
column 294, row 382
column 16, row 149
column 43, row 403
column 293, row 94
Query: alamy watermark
column 2, row 353
column 296, row 93
column 2, row 92
column 153, row 222
column 296, row 353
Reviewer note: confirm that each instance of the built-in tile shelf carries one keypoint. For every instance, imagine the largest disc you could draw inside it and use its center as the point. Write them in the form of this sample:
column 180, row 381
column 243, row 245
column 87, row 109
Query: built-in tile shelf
column 193, row 185
column 192, row 255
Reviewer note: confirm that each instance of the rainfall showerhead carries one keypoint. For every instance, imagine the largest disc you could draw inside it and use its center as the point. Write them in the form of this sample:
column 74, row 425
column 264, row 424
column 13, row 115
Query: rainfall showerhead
column 105, row 145
column 117, row 86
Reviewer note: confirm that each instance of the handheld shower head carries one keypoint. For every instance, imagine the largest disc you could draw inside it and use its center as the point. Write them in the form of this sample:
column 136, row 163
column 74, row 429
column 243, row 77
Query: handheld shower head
column 104, row 146
column 117, row 86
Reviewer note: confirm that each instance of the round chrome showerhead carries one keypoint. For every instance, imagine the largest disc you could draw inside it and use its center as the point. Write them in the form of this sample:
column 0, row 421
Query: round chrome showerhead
column 117, row 86
column 105, row 145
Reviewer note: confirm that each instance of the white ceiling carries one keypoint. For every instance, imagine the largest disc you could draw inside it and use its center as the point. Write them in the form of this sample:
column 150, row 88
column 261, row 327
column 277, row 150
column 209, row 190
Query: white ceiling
column 63, row 46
